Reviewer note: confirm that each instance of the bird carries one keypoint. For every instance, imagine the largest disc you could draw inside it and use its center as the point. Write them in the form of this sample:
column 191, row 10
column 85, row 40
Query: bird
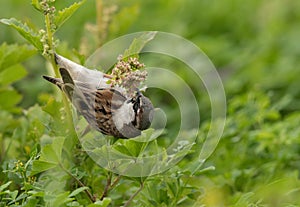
column 107, row 109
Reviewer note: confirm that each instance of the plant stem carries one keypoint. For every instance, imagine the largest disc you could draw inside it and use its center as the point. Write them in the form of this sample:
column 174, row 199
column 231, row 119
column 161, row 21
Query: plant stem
column 51, row 58
column 88, row 193
column 70, row 126
column 116, row 181
column 107, row 186
column 50, row 44
column 135, row 194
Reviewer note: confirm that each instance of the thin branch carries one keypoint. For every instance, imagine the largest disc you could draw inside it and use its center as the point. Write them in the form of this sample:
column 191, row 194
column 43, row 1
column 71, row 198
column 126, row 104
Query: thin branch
column 107, row 187
column 135, row 194
column 116, row 181
column 88, row 193
column 50, row 44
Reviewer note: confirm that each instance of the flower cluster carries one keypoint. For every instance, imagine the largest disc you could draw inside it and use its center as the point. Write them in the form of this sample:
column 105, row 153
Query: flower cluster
column 44, row 40
column 47, row 8
column 127, row 74
column 44, row 37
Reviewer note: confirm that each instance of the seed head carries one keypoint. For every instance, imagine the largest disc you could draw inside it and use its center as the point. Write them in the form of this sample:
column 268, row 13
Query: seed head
column 128, row 74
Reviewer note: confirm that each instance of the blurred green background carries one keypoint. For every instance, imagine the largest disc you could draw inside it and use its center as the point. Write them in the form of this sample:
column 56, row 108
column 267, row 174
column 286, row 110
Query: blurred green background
column 255, row 48
column 253, row 44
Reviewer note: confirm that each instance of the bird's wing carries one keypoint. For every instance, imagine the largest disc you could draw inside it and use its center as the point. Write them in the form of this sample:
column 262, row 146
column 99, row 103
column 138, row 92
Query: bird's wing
column 79, row 73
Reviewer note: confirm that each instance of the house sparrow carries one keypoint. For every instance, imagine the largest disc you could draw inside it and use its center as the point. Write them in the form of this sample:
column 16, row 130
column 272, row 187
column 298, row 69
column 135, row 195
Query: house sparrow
column 107, row 109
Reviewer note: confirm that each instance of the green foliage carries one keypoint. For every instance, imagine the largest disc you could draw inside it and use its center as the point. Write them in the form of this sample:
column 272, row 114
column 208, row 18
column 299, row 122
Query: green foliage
column 66, row 13
column 12, row 54
column 253, row 44
column 124, row 19
column 138, row 44
column 27, row 32
column 10, row 72
column 50, row 156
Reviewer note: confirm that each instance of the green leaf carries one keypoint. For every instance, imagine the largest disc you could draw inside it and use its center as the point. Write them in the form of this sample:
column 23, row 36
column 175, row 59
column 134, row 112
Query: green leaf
column 9, row 98
column 52, row 107
column 36, row 5
column 12, row 74
column 13, row 194
column 61, row 199
column 129, row 147
column 52, row 152
column 30, row 202
column 41, row 166
column 2, row 187
column 66, row 13
column 36, row 113
column 25, row 31
column 50, row 156
column 95, row 205
column 14, row 54
column 103, row 203
column 138, row 44
column 77, row 191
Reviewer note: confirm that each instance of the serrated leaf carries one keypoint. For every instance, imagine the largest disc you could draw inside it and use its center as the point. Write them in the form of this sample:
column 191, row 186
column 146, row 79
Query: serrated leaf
column 25, row 31
column 12, row 74
column 52, row 152
column 36, row 5
column 138, row 44
column 65, row 14
column 14, row 54
column 50, row 156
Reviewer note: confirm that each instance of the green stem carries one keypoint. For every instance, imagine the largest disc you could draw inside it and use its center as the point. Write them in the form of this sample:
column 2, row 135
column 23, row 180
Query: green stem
column 116, row 181
column 135, row 194
column 88, row 193
column 50, row 44
column 107, row 186
column 51, row 58
column 110, row 185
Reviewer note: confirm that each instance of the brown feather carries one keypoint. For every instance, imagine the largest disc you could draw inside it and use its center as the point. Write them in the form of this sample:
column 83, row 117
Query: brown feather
column 96, row 105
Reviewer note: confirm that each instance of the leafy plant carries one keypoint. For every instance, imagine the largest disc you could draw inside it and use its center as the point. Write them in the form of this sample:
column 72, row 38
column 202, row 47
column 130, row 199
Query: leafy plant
column 254, row 46
column 55, row 171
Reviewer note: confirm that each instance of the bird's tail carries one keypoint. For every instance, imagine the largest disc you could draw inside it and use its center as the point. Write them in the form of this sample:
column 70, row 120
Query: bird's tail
column 95, row 78
column 55, row 81
column 66, row 84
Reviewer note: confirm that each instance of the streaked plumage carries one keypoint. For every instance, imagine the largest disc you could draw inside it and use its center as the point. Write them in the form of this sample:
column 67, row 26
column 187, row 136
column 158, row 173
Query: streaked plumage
column 105, row 109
